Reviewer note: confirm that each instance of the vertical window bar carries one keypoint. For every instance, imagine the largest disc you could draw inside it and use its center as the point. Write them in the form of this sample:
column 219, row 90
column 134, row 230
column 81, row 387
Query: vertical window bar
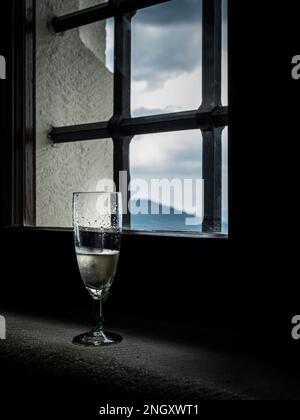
column 121, row 164
column 23, row 188
column 211, row 55
column 122, row 80
column 211, row 93
column 29, row 173
column 212, row 170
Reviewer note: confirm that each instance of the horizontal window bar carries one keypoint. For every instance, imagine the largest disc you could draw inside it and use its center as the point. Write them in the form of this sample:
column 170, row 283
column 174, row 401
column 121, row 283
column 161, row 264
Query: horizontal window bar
column 180, row 121
column 189, row 120
column 100, row 12
column 82, row 132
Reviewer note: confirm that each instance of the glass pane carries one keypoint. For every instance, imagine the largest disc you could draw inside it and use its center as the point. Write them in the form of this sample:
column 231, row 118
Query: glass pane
column 67, row 168
column 166, row 181
column 166, row 58
column 225, row 52
column 225, row 181
column 74, row 80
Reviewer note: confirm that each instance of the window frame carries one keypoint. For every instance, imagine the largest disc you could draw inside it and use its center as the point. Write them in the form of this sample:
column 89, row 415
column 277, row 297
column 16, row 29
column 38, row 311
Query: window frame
column 18, row 106
column 211, row 118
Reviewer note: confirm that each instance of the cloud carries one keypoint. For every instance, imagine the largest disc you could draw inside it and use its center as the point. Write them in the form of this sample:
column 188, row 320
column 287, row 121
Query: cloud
column 144, row 112
column 180, row 93
column 175, row 12
column 166, row 41
column 177, row 154
column 166, row 58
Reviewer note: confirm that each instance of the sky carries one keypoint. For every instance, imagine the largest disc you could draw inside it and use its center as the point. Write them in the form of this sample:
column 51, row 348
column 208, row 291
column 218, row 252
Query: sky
column 166, row 77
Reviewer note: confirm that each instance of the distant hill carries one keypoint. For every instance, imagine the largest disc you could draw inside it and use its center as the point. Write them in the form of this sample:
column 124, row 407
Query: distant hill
column 166, row 219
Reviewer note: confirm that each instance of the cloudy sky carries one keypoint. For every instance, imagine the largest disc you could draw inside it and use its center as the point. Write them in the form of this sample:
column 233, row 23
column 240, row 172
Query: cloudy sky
column 166, row 77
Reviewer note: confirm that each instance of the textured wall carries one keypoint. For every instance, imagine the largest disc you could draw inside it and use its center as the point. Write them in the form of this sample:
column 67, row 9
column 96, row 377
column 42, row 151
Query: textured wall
column 73, row 87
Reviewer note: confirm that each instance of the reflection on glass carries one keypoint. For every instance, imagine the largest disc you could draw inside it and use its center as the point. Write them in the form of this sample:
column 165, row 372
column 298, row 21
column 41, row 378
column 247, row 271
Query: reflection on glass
column 167, row 188
column 166, row 58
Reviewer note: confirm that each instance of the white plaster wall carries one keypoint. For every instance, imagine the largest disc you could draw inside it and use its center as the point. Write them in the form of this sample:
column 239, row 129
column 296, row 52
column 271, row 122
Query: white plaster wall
column 73, row 87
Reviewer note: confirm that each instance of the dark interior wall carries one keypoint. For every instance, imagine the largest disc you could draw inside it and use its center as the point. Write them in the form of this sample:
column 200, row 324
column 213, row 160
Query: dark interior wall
column 247, row 283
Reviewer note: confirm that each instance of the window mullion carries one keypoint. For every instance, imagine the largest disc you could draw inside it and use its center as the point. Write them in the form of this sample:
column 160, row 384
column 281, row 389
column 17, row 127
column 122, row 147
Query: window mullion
column 122, row 105
column 187, row 120
column 212, row 55
column 212, row 93
column 212, row 174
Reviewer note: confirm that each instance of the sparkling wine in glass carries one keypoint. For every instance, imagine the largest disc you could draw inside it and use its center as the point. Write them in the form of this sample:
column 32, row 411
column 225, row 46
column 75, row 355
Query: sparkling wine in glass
column 97, row 220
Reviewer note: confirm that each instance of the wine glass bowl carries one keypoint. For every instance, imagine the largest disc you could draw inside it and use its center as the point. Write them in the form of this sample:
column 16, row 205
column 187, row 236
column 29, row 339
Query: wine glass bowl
column 97, row 221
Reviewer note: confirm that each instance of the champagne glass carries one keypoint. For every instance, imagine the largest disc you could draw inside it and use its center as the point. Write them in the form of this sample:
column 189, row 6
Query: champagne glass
column 97, row 220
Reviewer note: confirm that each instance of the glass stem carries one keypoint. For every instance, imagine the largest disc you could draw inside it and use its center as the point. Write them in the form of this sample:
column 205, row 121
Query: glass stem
column 98, row 313
column 100, row 308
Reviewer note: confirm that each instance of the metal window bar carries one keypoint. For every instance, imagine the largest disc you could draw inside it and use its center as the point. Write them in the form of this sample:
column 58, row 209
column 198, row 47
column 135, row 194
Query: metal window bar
column 212, row 94
column 210, row 118
column 122, row 105
column 179, row 121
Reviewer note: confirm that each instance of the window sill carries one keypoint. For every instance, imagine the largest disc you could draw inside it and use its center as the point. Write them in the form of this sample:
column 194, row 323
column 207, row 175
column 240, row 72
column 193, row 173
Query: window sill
column 155, row 361
column 129, row 232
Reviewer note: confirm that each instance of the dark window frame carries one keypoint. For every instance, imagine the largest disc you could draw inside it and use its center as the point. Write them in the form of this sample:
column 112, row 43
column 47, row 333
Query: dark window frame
column 211, row 118
column 18, row 191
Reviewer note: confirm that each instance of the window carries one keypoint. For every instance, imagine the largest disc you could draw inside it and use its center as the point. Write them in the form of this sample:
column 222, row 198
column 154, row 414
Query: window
column 152, row 108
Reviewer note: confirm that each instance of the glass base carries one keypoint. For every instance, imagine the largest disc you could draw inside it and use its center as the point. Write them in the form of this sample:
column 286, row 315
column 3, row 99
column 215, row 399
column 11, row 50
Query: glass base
column 97, row 338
